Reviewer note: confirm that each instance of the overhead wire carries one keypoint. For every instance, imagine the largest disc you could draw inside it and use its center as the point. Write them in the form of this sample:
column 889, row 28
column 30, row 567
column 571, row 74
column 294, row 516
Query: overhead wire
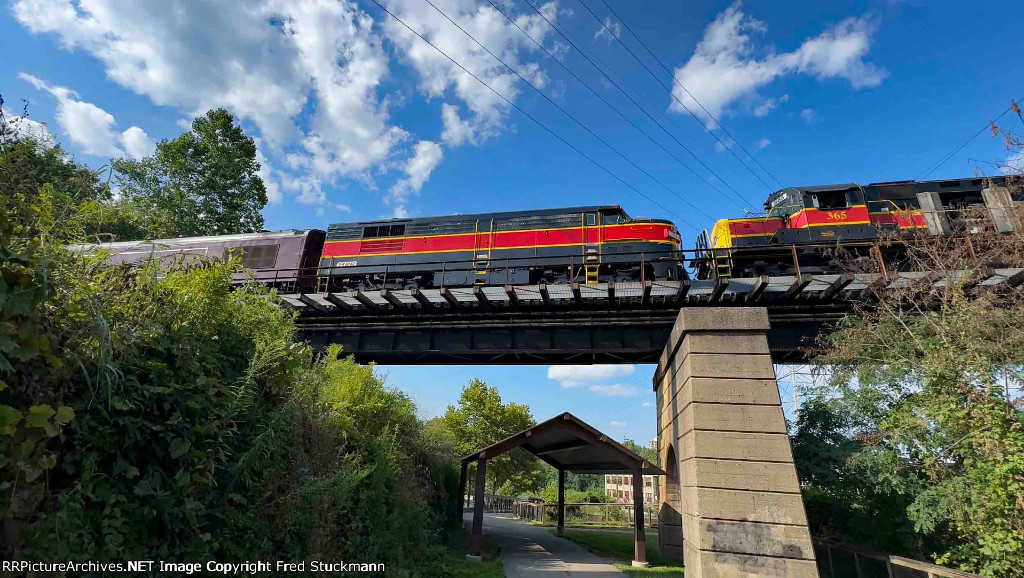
column 642, row 378
column 533, row 119
column 673, row 95
column 952, row 153
column 566, row 112
column 567, row 37
column 688, row 93
column 605, row 101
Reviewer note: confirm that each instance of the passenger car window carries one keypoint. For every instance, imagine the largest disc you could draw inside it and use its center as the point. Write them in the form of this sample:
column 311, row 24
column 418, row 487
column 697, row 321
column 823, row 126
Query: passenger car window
column 255, row 256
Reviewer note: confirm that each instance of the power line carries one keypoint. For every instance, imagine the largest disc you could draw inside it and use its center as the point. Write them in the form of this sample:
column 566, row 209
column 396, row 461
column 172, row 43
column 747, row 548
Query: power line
column 566, row 37
column 531, row 117
column 672, row 94
column 610, row 105
column 642, row 378
column 943, row 160
column 706, row 111
column 565, row 112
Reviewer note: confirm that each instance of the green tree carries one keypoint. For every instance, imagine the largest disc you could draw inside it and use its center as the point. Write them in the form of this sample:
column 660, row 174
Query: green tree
column 31, row 165
column 481, row 419
column 854, row 493
column 167, row 413
column 646, row 452
column 927, row 376
column 205, row 182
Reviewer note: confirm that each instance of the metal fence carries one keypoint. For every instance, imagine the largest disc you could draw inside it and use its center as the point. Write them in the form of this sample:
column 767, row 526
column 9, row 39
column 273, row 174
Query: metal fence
column 586, row 514
column 842, row 561
column 494, row 503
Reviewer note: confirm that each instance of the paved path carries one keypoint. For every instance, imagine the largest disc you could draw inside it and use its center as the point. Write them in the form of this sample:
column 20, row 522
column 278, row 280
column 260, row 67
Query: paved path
column 529, row 551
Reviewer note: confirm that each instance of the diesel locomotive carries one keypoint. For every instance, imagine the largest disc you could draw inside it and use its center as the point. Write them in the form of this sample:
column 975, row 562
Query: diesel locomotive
column 578, row 244
column 828, row 229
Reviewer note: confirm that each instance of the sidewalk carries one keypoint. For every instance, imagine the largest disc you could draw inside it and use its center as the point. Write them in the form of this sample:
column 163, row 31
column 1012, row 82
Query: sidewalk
column 529, row 551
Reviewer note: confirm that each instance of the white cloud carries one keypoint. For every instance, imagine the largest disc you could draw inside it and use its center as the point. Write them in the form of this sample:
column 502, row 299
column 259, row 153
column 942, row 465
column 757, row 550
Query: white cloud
column 724, row 67
column 646, row 404
column 614, row 389
column 268, row 175
column 763, row 143
column 343, row 60
column 137, row 143
column 32, row 129
column 808, row 115
column 580, row 375
column 426, row 156
column 90, row 127
column 307, row 73
column 195, row 57
column 617, row 424
column 603, row 32
column 479, row 113
column 1014, row 164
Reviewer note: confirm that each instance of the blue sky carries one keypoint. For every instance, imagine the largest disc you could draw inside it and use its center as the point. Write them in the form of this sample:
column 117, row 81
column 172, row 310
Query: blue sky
column 357, row 118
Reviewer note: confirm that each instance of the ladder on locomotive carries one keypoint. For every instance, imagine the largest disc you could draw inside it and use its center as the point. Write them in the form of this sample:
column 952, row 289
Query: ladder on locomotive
column 591, row 251
column 719, row 261
column 482, row 255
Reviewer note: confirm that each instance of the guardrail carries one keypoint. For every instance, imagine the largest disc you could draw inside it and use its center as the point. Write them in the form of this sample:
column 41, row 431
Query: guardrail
column 586, row 514
column 448, row 267
column 843, row 561
column 494, row 503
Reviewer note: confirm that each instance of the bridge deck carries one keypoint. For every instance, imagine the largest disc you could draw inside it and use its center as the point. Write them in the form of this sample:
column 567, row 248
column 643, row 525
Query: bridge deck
column 573, row 323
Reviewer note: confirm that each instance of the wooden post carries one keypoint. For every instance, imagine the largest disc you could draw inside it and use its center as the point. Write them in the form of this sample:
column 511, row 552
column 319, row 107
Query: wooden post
column 561, row 502
column 640, row 544
column 462, row 490
column 476, row 539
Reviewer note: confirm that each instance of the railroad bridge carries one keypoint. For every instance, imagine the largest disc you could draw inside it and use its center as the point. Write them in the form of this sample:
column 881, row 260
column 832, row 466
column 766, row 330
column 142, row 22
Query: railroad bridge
column 577, row 323
column 730, row 497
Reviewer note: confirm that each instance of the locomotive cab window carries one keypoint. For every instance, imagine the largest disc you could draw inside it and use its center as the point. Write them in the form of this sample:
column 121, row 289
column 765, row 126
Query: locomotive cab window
column 828, row 200
column 614, row 217
column 255, row 256
column 591, row 219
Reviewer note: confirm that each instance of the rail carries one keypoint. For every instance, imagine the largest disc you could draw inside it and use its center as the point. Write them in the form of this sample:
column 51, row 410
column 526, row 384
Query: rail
column 843, row 561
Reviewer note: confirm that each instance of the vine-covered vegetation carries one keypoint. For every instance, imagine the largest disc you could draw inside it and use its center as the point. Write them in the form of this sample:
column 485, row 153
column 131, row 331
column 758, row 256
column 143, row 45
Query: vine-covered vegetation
column 917, row 445
column 160, row 413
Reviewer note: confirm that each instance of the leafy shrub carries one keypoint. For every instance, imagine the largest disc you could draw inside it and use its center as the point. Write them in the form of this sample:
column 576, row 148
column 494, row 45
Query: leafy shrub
column 151, row 413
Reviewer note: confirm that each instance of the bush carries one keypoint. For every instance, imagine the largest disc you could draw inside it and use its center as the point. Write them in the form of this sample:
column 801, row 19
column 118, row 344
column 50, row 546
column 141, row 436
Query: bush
column 153, row 413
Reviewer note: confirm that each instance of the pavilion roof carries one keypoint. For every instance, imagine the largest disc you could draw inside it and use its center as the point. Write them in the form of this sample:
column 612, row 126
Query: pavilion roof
column 567, row 442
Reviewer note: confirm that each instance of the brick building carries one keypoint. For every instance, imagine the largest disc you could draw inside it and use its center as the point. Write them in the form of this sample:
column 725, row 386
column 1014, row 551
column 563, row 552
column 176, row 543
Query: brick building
column 620, row 489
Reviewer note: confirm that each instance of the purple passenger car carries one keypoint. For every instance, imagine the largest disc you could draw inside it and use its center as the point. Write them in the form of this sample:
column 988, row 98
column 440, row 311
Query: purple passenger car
column 281, row 259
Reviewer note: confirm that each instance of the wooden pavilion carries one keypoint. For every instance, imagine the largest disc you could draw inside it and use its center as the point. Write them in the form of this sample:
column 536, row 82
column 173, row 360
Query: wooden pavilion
column 568, row 444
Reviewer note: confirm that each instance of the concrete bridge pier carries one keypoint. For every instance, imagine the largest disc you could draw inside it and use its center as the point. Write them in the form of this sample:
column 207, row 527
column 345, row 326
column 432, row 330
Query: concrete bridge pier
column 731, row 503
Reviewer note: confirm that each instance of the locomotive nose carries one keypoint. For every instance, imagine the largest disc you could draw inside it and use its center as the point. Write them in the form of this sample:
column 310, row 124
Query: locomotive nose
column 673, row 234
